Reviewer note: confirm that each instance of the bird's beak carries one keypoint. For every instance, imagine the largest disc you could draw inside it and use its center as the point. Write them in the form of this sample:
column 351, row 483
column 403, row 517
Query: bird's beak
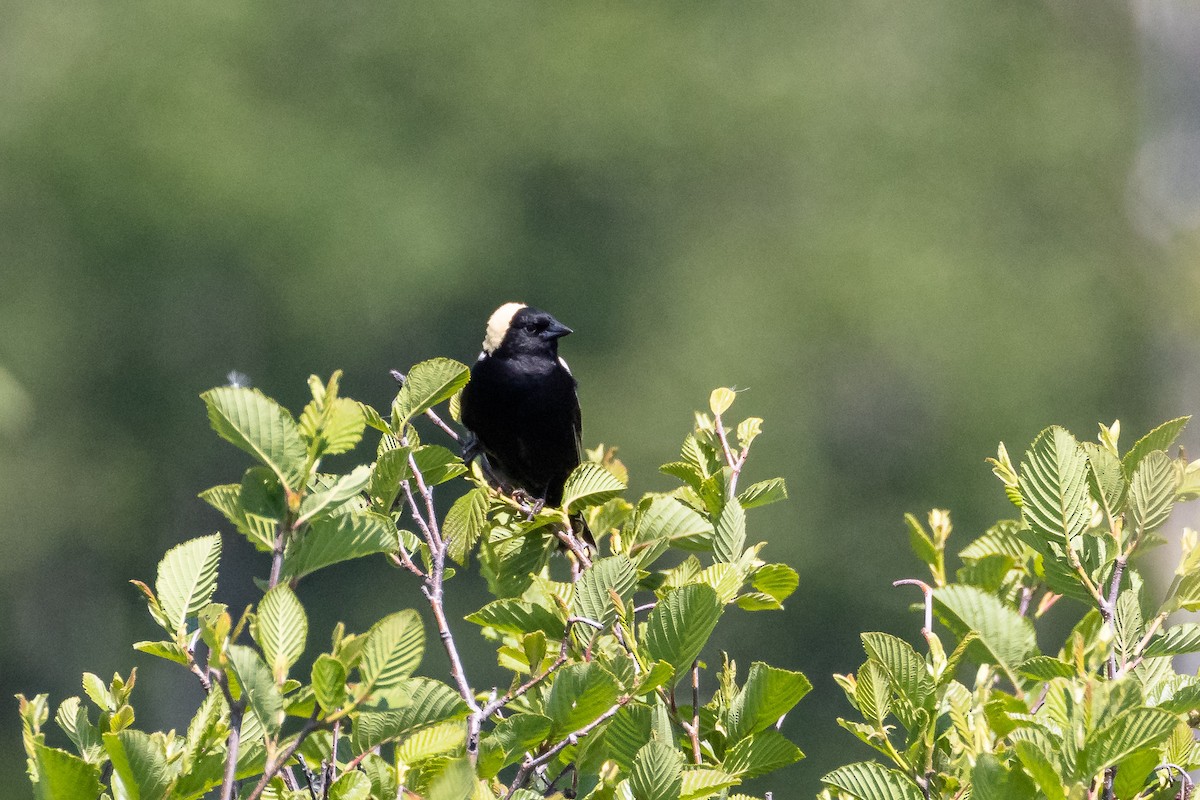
column 557, row 330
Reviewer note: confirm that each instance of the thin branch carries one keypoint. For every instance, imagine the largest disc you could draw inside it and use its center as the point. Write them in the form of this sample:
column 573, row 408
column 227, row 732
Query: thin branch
column 508, row 697
column 277, row 556
column 694, row 729
column 735, row 464
column 280, row 761
column 531, row 764
column 927, row 591
column 231, row 750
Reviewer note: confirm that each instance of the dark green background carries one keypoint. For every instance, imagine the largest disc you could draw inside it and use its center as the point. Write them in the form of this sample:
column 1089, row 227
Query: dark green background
column 901, row 227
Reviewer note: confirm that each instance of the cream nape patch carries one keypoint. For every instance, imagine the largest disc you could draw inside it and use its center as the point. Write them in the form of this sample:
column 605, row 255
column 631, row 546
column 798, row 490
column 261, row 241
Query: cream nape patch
column 497, row 325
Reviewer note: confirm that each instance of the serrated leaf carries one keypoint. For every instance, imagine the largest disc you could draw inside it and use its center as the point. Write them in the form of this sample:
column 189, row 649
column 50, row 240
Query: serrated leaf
column 720, row 400
column 662, row 521
column 352, row 785
column 72, row 718
column 768, row 694
column 873, row 692
column 1131, row 731
column 761, row 753
column 341, row 426
column 346, row 487
column 699, row 784
column 1106, row 479
column 257, row 686
column 514, row 735
column 253, row 422
column 425, row 702
column 680, row 624
column 579, row 695
column 281, row 629
column 1152, row 491
column 991, row 780
column 329, row 682
column 1044, row 668
column 332, row 540
column 1053, row 485
column 465, row 523
column 63, row 776
column 1006, row 636
column 514, row 616
column 171, row 651
column 628, row 731
column 657, row 772
column 906, row 670
column 729, row 538
column 434, row 740
column 593, row 591
column 1000, row 539
column 590, row 484
column 139, row 764
column 777, row 580
column 1176, row 640
column 394, row 648
column 427, row 384
column 1041, row 768
column 763, row 493
column 869, row 781
column 187, row 578
column 454, row 781
column 1160, row 438
column 437, row 464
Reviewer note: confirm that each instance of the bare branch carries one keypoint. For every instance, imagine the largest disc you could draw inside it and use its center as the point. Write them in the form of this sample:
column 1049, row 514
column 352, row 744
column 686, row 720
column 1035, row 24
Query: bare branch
column 694, row 728
column 531, row 764
column 927, row 591
column 279, row 762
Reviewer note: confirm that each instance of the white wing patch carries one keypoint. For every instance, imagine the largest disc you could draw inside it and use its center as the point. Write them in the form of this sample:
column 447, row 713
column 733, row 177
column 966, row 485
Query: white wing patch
column 497, row 326
column 563, row 361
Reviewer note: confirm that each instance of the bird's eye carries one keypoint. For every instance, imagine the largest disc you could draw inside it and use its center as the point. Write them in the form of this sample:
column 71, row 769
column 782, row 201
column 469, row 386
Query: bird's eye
column 532, row 327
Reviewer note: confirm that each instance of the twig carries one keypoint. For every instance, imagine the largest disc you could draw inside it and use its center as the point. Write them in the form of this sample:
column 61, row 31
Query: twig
column 694, row 729
column 280, row 761
column 508, row 697
column 531, row 764
column 277, row 556
column 735, row 464
column 309, row 777
column 1108, row 608
column 927, row 591
column 231, row 750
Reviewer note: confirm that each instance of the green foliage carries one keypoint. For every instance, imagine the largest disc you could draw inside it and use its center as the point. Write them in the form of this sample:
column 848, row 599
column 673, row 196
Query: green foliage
column 1106, row 716
column 595, row 640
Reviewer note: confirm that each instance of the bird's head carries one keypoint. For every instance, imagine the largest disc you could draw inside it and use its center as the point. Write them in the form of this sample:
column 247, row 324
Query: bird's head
column 518, row 329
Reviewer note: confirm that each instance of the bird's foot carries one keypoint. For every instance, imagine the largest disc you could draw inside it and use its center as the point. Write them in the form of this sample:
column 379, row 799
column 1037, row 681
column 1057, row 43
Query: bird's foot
column 533, row 505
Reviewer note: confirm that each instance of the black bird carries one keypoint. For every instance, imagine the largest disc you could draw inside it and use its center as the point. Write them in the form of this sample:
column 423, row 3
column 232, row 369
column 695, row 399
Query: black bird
column 521, row 405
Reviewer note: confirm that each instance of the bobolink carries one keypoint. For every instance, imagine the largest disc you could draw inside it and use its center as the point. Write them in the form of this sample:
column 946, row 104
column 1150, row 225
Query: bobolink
column 521, row 404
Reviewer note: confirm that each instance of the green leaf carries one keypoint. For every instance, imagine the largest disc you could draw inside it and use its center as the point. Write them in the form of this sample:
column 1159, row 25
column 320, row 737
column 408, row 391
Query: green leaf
column 465, row 523
column 455, row 781
column 698, row 784
column 329, row 682
column 873, row 692
column 63, row 776
column 335, row 427
column 761, row 753
column 1004, row 634
column 139, row 763
column 590, row 484
column 258, row 686
column 906, row 670
column 1152, row 491
column 657, row 675
column 768, row 694
column 869, row 781
column 1054, row 488
column 1160, row 438
column 1000, row 539
column 664, row 520
column 515, row 735
column 1176, row 640
column 346, row 487
column 171, row 651
column 730, row 537
column 1044, row 668
column 776, row 580
column 72, row 718
column 431, row 741
column 250, row 420
column 657, row 772
column 763, row 493
column 426, row 702
column 594, row 590
column 1041, row 768
column 1105, row 477
column 579, row 695
column 720, row 400
column 187, row 578
column 331, row 540
column 990, row 780
column 1131, row 731
column 514, row 616
column 427, row 384
column 281, row 629
column 437, row 464
column 351, row 786
column 679, row 626
column 394, row 648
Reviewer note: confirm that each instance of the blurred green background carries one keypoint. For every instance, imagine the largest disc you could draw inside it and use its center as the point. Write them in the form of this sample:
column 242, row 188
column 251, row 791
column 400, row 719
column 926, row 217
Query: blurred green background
column 903, row 228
